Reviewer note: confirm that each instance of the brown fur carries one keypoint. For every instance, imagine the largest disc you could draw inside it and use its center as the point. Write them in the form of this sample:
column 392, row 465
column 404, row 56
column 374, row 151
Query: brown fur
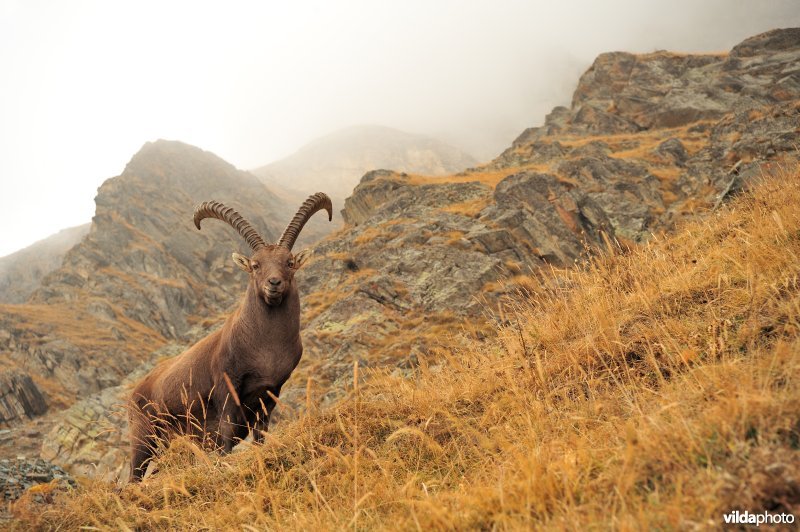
column 257, row 349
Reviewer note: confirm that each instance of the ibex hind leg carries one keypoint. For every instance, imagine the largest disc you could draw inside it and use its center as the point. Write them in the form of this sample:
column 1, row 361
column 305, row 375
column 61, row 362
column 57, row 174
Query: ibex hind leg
column 145, row 437
column 142, row 448
column 140, row 457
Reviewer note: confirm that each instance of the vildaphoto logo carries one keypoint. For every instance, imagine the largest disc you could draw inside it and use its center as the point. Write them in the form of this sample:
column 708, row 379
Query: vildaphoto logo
column 764, row 518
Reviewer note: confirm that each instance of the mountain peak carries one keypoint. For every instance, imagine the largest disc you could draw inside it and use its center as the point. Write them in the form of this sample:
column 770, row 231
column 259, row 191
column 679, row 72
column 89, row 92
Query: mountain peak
column 336, row 162
column 181, row 163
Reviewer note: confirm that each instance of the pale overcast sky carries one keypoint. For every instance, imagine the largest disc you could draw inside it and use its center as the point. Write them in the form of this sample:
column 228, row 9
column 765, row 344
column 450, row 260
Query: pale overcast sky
column 85, row 84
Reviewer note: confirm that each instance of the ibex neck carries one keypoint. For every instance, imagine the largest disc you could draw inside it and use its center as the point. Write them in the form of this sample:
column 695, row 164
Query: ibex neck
column 280, row 322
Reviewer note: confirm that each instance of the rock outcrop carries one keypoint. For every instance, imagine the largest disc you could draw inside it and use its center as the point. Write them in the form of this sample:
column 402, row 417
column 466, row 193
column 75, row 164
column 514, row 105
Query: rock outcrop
column 630, row 93
column 404, row 255
column 20, row 398
column 143, row 249
column 651, row 138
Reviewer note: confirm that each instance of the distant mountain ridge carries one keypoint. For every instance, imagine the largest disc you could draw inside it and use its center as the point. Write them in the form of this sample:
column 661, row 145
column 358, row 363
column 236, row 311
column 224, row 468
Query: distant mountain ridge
column 22, row 271
column 335, row 163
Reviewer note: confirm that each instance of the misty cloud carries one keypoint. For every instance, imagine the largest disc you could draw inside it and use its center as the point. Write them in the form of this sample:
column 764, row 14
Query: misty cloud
column 85, row 84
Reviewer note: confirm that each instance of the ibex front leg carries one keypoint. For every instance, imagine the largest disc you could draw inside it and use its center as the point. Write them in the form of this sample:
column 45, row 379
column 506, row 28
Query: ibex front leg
column 261, row 424
column 231, row 420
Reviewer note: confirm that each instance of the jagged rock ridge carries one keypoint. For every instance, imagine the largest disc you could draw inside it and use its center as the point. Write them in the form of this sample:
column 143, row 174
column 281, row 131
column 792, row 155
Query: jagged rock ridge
column 650, row 138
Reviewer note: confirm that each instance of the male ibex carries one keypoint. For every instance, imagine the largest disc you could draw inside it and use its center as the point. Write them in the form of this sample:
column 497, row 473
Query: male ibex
column 223, row 386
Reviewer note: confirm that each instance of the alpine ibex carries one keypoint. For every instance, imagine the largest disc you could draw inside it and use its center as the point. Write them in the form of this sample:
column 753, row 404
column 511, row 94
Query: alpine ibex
column 223, row 387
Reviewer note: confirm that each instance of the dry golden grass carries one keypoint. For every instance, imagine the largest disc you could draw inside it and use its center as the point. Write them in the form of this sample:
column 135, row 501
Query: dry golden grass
column 371, row 233
column 470, row 208
column 486, row 175
column 650, row 389
column 627, row 145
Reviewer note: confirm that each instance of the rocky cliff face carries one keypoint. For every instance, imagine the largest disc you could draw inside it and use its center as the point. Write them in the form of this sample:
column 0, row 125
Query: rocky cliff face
column 648, row 140
column 693, row 126
column 664, row 90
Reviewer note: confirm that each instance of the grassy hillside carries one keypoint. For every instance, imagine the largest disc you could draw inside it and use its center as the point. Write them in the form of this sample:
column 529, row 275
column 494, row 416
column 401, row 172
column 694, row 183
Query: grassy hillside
column 653, row 388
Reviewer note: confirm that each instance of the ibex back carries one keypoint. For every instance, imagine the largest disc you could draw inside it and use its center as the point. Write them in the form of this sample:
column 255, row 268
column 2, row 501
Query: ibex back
column 222, row 388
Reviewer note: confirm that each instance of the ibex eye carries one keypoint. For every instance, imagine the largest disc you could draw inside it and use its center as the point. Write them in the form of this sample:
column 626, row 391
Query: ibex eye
column 290, row 263
column 254, row 265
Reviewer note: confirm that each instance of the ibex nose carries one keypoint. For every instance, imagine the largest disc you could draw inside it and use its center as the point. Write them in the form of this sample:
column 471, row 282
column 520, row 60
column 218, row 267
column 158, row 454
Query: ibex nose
column 274, row 281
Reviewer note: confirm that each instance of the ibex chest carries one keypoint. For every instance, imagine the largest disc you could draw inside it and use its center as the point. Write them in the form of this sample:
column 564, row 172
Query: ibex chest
column 270, row 375
column 269, row 364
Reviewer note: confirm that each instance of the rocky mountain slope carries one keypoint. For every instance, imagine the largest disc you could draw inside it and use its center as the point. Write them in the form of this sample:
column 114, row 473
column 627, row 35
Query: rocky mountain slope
column 141, row 277
column 336, row 162
column 649, row 140
column 651, row 389
column 22, row 271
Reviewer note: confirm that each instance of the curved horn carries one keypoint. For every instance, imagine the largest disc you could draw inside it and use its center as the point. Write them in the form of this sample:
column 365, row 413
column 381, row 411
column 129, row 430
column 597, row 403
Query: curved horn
column 315, row 202
column 215, row 209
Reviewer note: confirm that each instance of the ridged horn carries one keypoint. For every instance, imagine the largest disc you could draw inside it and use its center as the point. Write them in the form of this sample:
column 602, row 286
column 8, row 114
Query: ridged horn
column 215, row 209
column 315, row 202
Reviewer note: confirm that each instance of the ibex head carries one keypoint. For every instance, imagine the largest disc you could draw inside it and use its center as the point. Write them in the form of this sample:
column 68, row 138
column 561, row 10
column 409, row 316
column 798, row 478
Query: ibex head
column 271, row 266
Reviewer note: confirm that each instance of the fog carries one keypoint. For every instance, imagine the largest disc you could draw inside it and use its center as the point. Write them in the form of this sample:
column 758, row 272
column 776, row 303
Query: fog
column 85, row 84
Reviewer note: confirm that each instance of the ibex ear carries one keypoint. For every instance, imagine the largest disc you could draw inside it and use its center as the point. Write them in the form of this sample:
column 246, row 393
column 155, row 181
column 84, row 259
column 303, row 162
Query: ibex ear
column 242, row 262
column 301, row 258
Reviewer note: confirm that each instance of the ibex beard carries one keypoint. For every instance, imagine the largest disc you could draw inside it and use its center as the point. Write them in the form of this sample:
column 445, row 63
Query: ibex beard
column 224, row 387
